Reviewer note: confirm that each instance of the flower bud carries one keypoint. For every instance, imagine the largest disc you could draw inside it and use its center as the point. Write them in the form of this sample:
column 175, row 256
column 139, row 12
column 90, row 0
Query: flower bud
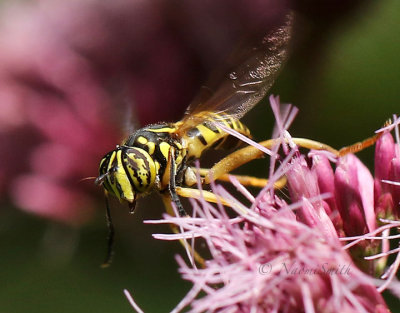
column 354, row 187
column 302, row 182
column 394, row 176
column 326, row 183
column 384, row 153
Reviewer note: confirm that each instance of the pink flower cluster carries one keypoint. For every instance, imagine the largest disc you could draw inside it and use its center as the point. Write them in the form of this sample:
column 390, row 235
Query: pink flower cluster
column 284, row 253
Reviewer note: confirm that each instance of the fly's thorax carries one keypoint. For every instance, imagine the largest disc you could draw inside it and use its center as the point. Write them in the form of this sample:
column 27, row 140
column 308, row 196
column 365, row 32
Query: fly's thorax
column 127, row 172
column 158, row 140
column 208, row 134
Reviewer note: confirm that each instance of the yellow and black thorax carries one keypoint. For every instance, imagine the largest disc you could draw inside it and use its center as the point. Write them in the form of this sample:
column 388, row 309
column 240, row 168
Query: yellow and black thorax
column 138, row 165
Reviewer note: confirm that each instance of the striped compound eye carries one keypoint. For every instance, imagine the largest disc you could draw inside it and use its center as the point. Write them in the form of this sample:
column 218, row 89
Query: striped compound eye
column 126, row 172
column 140, row 169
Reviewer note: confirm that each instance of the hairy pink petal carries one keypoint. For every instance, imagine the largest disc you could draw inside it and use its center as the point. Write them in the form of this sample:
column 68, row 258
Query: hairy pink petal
column 314, row 215
column 302, row 181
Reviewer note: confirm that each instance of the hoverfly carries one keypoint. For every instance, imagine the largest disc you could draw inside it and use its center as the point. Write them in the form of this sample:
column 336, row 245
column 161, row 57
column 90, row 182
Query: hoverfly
column 157, row 157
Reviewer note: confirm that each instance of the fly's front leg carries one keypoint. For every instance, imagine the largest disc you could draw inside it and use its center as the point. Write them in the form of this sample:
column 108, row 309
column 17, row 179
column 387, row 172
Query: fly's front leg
column 111, row 233
column 172, row 183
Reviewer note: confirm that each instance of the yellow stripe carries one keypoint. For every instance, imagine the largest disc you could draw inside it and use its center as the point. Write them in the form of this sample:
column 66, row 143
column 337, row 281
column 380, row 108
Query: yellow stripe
column 122, row 178
column 234, row 123
column 157, row 166
column 142, row 140
column 208, row 134
column 151, row 145
column 113, row 185
column 162, row 130
column 220, row 118
column 164, row 148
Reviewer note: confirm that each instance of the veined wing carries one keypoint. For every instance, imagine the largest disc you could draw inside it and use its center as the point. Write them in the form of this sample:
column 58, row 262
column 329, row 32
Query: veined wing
column 249, row 74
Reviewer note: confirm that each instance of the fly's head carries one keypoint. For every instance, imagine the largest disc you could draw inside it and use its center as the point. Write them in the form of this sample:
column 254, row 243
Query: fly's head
column 127, row 173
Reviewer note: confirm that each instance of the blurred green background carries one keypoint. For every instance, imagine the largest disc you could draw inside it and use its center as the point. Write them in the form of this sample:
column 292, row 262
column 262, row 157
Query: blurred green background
column 46, row 267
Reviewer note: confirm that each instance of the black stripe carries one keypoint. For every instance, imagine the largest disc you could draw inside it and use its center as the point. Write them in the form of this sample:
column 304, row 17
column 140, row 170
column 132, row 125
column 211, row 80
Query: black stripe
column 114, row 165
column 232, row 123
column 195, row 132
column 158, row 126
column 135, row 168
column 211, row 126
column 202, row 139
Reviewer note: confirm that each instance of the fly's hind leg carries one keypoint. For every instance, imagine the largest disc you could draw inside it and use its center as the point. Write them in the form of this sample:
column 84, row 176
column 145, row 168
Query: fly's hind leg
column 243, row 179
column 231, row 162
column 361, row 145
column 249, row 153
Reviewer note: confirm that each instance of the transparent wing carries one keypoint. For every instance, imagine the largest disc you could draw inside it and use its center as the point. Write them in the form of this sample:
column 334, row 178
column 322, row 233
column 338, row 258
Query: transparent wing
column 248, row 75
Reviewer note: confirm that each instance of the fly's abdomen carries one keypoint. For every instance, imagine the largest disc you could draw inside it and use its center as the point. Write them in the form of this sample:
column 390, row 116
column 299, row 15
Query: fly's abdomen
column 208, row 134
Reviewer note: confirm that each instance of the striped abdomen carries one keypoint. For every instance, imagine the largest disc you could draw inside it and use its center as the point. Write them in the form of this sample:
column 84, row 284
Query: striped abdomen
column 208, row 134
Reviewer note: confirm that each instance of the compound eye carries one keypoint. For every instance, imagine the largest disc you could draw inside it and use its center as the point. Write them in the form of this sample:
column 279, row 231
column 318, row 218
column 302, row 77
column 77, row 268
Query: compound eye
column 141, row 169
column 107, row 171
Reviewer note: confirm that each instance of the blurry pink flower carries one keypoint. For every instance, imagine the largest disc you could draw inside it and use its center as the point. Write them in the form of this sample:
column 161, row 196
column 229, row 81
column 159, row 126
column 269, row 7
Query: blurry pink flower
column 71, row 73
column 44, row 197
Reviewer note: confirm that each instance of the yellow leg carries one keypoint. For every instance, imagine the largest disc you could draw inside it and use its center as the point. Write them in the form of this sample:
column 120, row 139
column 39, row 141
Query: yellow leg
column 238, row 158
column 208, row 196
column 358, row 146
column 244, row 179
column 234, row 160
column 249, row 153
column 361, row 145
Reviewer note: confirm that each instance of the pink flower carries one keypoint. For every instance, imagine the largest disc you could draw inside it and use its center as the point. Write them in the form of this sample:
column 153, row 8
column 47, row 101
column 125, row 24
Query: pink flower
column 303, row 185
column 326, row 184
column 286, row 256
column 266, row 261
column 384, row 156
column 394, row 188
column 384, row 153
column 354, row 196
